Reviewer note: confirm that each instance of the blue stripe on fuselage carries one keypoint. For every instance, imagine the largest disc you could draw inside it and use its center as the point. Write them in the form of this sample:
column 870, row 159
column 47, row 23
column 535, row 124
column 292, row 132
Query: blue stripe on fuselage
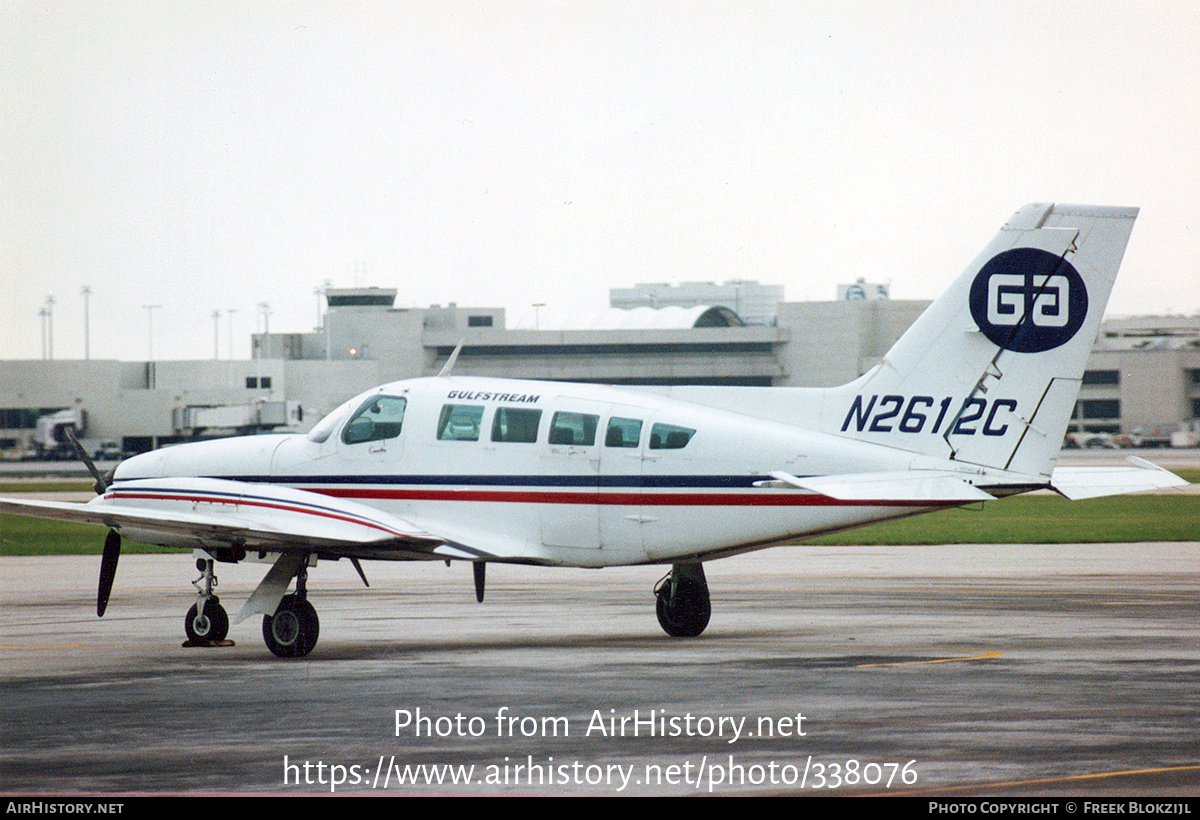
column 635, row 481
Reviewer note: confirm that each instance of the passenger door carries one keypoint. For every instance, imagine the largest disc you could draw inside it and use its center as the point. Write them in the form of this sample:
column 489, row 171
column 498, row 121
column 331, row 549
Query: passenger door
column 570, row 470
column 622, row 515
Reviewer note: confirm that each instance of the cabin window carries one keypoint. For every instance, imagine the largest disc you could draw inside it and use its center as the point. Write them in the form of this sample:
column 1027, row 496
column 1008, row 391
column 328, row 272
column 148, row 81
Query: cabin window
column 574, row 428
column 460, row 422
column 380, row 417
column 670, row 437
column 623, row 432
column 516, row 425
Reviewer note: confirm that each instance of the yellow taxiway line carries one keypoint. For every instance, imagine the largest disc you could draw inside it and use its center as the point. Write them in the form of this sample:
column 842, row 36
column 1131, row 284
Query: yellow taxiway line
column 984, row 657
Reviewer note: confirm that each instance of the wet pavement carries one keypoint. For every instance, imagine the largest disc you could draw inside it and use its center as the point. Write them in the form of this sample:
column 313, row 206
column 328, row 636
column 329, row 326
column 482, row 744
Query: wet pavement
column 948, row 670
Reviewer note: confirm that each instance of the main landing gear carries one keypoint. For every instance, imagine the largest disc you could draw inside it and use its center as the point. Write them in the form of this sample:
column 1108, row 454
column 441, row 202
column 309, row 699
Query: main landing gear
column 292, row 631
column 683, row 605
column 207, row 621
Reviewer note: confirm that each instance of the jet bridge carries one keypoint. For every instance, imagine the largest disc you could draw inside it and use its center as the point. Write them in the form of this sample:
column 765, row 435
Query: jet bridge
column 239, row 419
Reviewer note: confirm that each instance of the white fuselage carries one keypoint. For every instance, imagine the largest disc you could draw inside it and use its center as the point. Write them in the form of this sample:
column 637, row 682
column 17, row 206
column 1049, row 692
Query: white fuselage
column 556, row 473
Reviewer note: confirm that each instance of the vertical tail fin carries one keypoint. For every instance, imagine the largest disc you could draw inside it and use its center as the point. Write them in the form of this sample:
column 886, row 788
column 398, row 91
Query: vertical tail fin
column 989, row 373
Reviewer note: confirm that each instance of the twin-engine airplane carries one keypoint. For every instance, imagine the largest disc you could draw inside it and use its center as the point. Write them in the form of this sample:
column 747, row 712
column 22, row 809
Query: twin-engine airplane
column 970, row 404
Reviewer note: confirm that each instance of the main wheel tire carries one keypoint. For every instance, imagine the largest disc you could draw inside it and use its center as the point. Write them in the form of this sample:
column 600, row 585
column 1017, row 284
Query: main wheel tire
column 691, row 611
column 211, row 625
column 292, row 631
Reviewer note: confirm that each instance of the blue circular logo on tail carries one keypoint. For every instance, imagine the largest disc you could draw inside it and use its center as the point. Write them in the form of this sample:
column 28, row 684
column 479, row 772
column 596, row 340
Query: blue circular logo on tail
column 1028, row 300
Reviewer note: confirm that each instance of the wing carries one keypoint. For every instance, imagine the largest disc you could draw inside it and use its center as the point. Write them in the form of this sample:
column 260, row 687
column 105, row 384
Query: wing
column 210, row 513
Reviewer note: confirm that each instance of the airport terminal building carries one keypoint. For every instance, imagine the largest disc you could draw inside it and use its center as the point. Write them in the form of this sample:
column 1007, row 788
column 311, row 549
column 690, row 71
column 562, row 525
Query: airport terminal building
column 1142, row 381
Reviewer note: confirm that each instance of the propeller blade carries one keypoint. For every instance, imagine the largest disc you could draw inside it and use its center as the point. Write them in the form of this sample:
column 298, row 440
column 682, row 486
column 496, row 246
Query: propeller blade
column 480, row 568
column 101, row 485
column 108, row 569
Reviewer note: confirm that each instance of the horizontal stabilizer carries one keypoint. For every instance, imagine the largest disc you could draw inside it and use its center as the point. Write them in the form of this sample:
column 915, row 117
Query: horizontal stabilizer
column 917, row 486
column 1093, row 482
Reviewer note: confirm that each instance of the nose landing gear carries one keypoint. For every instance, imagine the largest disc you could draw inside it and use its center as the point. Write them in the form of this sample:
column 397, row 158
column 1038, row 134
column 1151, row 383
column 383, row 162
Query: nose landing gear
column 206, row 623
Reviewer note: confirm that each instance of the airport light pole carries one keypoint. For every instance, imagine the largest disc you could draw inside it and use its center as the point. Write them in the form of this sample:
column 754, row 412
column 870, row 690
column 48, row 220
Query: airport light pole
column 87, row 339
column 50, row 325
column 229, row 312
column 323, row 323
column 150, row 326
column 42, row 312
column 264, row 309
column 216, row 334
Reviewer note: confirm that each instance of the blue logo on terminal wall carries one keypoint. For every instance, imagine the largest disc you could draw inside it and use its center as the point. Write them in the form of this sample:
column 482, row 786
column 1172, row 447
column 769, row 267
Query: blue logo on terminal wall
column 1028, row 300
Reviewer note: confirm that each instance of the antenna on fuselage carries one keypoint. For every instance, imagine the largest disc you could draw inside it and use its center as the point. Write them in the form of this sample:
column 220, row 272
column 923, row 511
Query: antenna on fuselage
column 453, row 358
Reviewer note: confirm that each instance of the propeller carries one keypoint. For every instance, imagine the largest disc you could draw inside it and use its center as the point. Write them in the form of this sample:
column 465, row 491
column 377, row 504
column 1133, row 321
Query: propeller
column 112, row 541
column 480, row 567
column 108, row 569
column 101, row 485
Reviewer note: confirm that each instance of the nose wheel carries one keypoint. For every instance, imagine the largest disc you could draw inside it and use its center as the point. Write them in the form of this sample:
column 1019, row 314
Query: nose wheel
column 206, row 622
column 206, row 625
column 681, row 601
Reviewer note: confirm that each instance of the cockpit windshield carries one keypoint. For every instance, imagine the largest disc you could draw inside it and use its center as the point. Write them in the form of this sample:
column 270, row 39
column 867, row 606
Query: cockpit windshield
column 327, row 425
column 380, row 417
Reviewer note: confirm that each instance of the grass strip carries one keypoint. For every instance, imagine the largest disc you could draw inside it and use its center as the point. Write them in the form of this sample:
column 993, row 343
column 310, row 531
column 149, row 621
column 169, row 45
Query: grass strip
column 20, row 535
column 40, row 486
column 1041, row 519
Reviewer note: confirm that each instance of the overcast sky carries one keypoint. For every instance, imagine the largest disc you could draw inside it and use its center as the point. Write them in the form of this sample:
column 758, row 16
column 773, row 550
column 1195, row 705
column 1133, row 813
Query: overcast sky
column 206, row 156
